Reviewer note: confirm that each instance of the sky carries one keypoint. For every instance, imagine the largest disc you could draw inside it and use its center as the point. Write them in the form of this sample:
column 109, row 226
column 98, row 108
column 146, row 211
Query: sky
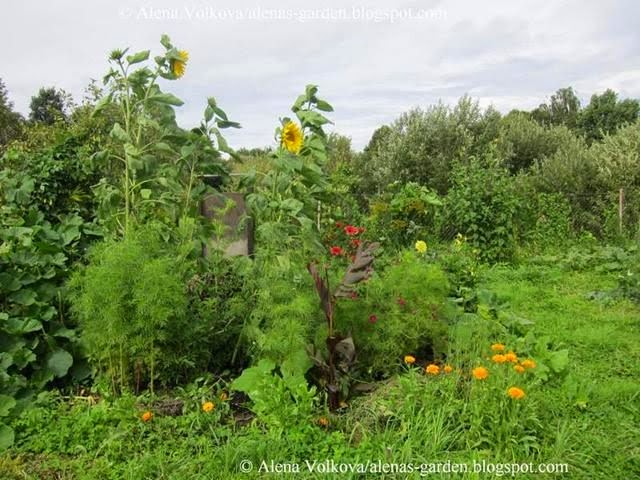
column 372, row 60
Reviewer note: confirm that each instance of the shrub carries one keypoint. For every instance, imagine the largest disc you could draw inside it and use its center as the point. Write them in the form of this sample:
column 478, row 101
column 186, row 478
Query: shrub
column 403, row 213
column 400, row 311
column 522, row 141
column 130, row 302
column 482, row 205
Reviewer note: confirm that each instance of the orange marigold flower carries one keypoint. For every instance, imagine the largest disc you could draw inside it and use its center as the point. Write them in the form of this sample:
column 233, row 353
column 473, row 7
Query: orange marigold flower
column 432, row 369
column 497, row 347
column 516, row 393
column 518, row 368
column 323, row 422
column 499, row 358
column 448, row 369
column 528, row 363
column 480, row 373
column 409, row 359
column 208, row 407
column 511, row 357
column 146, row 416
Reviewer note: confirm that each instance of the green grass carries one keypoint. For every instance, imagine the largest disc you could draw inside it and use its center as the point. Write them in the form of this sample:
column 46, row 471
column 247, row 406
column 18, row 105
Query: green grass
column 587, row 417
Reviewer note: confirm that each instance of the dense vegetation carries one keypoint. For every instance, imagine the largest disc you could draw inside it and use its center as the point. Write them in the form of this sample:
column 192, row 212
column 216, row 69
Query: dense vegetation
column 463, row 290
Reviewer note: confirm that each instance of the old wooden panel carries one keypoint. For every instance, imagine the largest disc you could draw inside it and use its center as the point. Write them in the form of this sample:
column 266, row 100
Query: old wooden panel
column 238, row 233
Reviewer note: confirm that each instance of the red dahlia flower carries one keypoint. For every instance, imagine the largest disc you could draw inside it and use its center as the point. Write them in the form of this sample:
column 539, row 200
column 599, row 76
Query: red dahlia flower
column 351, row 230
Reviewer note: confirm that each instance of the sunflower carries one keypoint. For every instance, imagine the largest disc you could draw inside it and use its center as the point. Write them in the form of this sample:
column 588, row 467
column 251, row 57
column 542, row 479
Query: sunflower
column 178, row 66
column 448, row 369
column 208, row 407
column 528, row 363
column 292, row 137
column 519, row 368
column 497, row 347
column 421, row 246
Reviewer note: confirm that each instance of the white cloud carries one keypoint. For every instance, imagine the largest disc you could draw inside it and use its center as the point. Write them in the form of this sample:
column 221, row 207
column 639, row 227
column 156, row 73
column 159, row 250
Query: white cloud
column 510, row 54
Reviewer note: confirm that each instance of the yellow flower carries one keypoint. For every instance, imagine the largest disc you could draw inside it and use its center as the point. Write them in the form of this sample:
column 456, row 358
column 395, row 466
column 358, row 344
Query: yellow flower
column 480, row 373
column 448, row 369
column 519, row 368
column 511, row 357
column 528, row 363
column 292, row 137
column 409, row 359
column 208, row 407
column 432, row 369
column 499, row 358
column 323, row 422
column 516, row 393
column 421, row 246
column 224, row 397
column 497, row 347
column 146, row 416
column 178, row 66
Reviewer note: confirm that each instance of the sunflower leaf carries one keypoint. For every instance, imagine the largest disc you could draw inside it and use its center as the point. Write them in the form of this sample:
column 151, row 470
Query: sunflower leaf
column 138, row 57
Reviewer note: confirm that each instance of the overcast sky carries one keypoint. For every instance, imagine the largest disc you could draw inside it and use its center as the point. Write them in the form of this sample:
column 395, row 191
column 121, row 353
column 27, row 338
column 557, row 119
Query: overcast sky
column 372, row 60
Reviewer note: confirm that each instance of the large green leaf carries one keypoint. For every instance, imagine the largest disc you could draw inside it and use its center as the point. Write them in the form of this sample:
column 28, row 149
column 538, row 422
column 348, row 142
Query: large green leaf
column 252, row 377
column 6, row 404
column 7, row 437
column 59, row 362
column 24, row 296
column 166, row 98
column 138, row 57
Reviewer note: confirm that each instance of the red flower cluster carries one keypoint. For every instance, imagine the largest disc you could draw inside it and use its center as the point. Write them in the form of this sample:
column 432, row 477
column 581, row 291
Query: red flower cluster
column 353, row 231
column 341, row 246
column 373, row 318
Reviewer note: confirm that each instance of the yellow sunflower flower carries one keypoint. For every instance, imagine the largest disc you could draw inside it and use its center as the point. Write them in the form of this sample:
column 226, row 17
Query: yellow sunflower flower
column 292, row 138
column 421, row 246
column 528, row 363
column 497, row 347
column 208, row 407
column 178, row 67
column 519, row 368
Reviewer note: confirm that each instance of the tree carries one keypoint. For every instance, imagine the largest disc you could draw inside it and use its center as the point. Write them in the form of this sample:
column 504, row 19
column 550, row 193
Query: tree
column 10, row 121
column 563, row 109
column 48, row 106
column 605, row 114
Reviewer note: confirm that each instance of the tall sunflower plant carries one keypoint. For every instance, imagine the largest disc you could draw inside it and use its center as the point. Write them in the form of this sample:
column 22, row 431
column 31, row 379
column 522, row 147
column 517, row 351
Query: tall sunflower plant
column 286, row 200
column 157, row 166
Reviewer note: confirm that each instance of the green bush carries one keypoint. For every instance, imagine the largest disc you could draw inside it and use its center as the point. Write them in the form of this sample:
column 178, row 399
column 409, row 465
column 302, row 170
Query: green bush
column 482, row 205
column 401, row 311
column 130, row 302
column 403, row 213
